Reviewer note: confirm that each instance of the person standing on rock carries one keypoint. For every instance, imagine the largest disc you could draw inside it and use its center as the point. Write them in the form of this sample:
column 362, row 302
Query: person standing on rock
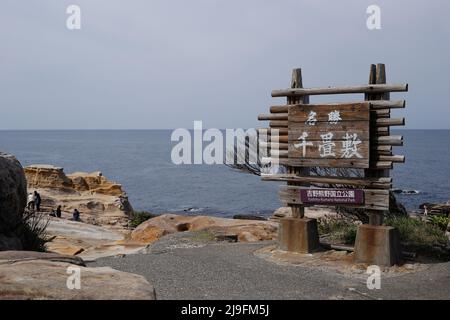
column 58, row 212
column 37, row 201
column 76, row 215
column 31, row 201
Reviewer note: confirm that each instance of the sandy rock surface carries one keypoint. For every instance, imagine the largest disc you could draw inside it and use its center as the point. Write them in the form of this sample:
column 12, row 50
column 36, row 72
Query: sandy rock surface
column 245, row 230
column 99, row 200
column 37, row 276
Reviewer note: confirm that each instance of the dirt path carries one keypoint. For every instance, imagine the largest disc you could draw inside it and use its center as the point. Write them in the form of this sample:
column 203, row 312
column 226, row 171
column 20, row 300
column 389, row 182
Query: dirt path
column 180, row 266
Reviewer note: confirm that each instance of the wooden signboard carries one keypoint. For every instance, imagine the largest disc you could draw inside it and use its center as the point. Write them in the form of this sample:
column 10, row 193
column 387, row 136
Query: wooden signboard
column 329, row 135
column 332, row 196
column 373, row 199
column 335, row 137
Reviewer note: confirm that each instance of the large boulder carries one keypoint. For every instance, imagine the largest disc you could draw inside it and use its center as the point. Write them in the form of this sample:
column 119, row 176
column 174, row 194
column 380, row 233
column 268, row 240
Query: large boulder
column 13, row 193
column 245, row 230
column 29, row 275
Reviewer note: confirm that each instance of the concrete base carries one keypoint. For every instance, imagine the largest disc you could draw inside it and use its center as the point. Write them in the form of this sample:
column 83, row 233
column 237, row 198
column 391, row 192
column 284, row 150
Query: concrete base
column 298, row 235
column 377, row 245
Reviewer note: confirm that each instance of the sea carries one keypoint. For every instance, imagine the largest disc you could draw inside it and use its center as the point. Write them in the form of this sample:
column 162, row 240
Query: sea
column 140, row 160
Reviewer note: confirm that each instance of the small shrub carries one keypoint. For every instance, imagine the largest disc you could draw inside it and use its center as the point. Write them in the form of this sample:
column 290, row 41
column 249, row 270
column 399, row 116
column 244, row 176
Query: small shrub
column 439, row 221
column 203, row 236
column 32, row 231
column 424, row 237
column 339, row 229
column 138, row 217
column 421, row 236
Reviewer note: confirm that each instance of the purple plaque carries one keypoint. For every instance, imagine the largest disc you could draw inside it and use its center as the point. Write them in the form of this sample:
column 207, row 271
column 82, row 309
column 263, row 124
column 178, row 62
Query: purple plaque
column 332, row 196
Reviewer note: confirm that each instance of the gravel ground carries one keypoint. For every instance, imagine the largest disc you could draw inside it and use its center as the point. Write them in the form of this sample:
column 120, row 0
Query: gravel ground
column 189, row 266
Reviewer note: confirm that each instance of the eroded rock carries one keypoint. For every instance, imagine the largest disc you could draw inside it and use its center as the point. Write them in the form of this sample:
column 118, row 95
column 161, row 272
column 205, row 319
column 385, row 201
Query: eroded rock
column 100, row 201
column 88, row 241
column 245, row 230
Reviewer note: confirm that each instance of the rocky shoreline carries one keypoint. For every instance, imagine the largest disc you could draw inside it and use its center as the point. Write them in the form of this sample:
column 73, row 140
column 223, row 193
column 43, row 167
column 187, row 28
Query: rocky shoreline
column 38, row 275
column 106, row 213
column 104, row 231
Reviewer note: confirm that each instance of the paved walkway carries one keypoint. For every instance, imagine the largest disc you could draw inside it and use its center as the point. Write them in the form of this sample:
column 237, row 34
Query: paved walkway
column 180, row 268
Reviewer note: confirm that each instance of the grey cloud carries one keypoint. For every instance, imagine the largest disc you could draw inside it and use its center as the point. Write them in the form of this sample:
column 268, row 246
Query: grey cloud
column 165, row 63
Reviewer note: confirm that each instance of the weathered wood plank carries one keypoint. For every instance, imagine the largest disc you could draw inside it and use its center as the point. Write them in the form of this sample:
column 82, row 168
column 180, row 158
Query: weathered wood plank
column 379, row 123
column 329, row 163
column 381, row 165
column 391, row 122
column 327, row 139
column 381, row 183
column 275, row 145
column 382, row 131
column 381, row 113
column 378, row 165
column 282, row 139
column 278, row 124
column 394, row 140
column 389, row 141
column 382, row 104
column 373, row 88
column 374, row 105
column 315, row 133
column 277, row 116
column 337, row 147
column 279, row 109
column 382, row 148
column 385, row 150
column 392, row 158
column 270, row 131
column 373, row 199
column 279, row 153
column 347, row 112
column 284, row 146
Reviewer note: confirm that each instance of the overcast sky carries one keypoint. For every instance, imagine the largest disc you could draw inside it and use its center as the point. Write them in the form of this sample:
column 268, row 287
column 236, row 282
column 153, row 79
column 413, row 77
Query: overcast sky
column 156, row 64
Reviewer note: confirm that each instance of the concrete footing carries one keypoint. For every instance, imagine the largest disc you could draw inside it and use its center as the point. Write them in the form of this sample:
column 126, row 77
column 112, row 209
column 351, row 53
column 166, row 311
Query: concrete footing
column 377, row 245
column 298, row 235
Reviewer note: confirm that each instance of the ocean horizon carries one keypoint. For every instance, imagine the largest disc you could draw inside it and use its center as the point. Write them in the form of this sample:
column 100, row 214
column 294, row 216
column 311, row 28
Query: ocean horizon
column 139, row 159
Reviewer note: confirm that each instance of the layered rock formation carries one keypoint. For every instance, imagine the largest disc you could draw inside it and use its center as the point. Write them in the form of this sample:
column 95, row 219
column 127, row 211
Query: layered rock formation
column 13, row 192
column 32, row 275
column 88, row 241
column 47, row 176
column 437, row 208
column 104, row 208
column 104, row 205
column 245, row 230
column 100, row 201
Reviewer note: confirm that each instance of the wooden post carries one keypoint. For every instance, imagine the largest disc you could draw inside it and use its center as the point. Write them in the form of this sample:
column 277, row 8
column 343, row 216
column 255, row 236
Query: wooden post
column 298, row 211
column 377, row 75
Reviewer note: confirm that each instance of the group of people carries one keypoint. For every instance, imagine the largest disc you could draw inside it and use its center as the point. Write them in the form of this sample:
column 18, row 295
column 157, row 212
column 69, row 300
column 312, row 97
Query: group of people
column 34, row 203
column 57, row 213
